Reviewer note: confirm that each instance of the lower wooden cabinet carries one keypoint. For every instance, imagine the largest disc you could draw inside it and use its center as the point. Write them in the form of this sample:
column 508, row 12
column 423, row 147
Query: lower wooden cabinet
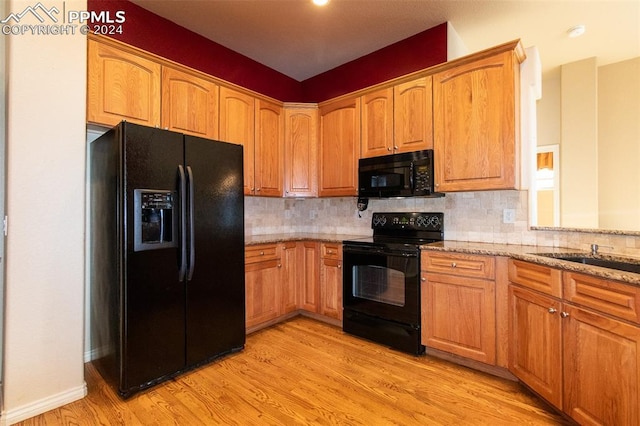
column 580, row 352
column 263, row 269
column 282, row 279
column 331, row 281
column 535, row 339
column 458, row 307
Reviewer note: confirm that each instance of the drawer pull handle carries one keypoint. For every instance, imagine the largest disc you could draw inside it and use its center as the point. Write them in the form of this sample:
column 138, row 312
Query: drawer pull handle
column 552, row 310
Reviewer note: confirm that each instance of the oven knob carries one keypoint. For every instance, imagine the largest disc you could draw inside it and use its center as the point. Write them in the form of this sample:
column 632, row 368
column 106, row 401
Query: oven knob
column 383, row 220
column 421, row 221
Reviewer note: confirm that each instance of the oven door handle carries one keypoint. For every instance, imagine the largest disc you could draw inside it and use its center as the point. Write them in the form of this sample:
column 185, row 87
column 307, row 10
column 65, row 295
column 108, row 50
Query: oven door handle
column 380, row 251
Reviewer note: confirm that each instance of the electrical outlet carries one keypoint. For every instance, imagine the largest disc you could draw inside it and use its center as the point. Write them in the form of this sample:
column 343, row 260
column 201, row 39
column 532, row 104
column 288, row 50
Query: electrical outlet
column 508, row 216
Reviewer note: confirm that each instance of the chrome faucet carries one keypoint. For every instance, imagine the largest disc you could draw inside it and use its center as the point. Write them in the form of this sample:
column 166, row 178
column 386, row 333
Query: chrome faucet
column 595, row 247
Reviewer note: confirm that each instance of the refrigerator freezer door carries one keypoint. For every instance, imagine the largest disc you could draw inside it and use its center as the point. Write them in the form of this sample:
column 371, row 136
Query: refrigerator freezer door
column 215, row 319
column 154, row 298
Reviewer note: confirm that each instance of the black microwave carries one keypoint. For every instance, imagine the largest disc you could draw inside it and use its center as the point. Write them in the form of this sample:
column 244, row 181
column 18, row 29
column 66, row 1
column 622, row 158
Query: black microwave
column 408, row 174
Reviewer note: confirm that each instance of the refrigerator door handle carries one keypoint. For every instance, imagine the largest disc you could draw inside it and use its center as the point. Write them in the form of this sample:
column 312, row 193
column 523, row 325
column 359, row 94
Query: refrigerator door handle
column 183, row 224
column 192, row 245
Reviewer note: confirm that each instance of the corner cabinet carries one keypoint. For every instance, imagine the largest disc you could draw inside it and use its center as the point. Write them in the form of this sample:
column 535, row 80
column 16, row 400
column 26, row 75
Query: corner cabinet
column 301, row 151
column 339, row 147
column 576, row 342
column 122, row 84
column 476, row 121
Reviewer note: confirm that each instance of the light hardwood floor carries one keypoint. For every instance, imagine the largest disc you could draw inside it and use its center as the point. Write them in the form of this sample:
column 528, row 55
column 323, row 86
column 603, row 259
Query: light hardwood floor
column 305, row 372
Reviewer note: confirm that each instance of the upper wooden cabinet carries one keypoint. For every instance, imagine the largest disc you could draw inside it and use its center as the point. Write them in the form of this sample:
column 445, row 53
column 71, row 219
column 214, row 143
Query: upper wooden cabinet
column 301, row 151
column 377, row 123
column 397, row 119
column 189, row 103
column 269, row 144
column 339, row 147
column 476, row 121
column 122, row 84
column 413, row 115
column 237, row 125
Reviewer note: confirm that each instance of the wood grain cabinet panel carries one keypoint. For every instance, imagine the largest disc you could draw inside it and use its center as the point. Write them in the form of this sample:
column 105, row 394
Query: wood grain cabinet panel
column 413, row 115
column 476, row 123
column 290, row 277
column 301, row 152
column 536, row 277
column 601, row 369
column 263, row 273
column 269, row 146
column 339, row 147
column 121, row 85
column 309, row 294
column 189, row 103
column 535, row 342
column 459, row 304
column 377, row 123
column 331, row 281
column 237, row 125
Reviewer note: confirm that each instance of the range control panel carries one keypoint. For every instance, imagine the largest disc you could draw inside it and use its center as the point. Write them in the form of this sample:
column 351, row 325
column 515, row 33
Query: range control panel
column 408, row 221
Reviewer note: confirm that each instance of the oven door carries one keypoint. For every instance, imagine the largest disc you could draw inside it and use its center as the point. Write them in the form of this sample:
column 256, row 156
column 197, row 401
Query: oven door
column 382, row 283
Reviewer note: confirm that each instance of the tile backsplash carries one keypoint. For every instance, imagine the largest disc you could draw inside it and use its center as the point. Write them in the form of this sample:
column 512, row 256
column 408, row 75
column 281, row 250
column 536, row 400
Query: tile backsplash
column 469, row 216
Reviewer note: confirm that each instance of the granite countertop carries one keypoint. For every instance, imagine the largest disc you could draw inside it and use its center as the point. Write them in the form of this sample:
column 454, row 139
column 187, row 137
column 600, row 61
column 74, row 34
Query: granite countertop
column 300, row 236
column 535, row 254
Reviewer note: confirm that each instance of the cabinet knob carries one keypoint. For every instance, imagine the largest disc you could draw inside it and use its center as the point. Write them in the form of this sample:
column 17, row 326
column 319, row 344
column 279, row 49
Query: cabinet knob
column 389, row 149
column 279, row 265
column 395, row 147
column 552, row 310
column 339, row 265
column 453, row 264
column 261, row 253
column 423, row 279
column 564, row 314
column 258, row 189
column 329, row 251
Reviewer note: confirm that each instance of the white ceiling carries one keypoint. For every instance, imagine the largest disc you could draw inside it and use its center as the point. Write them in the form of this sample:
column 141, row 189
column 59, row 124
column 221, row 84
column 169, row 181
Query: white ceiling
column 302, row 40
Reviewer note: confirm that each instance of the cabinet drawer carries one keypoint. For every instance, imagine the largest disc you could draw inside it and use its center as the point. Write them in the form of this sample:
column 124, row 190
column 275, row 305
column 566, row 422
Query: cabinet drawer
column 331, row 251
column 536, row 277
column 259, row 253
column 609, row 297
column 459, row 264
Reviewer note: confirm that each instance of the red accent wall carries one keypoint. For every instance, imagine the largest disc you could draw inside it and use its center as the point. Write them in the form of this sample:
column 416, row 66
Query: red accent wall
column 417, row 52
column 162, row 37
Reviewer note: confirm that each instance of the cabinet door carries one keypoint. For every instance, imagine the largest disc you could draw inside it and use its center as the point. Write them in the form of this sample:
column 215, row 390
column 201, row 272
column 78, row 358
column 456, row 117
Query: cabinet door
column 476, row 139
column 331, row 288
column 290, row 277
column 189, row 103
column 535, row 342
column 301, row 152
column 237, row 126
column 413, row 115
column 339, row 146
column 262, row 281
column 269, row 144
column 377, row 123
column 602, row 369
column 459, row 316
column 309, row 276
column 121, row 85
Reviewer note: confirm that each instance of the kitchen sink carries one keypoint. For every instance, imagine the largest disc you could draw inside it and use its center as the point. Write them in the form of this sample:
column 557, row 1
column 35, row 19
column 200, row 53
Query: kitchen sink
column 620, row 264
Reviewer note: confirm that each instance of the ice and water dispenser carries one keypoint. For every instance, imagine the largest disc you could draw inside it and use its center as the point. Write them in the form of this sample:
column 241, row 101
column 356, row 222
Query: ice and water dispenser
column 155, row 219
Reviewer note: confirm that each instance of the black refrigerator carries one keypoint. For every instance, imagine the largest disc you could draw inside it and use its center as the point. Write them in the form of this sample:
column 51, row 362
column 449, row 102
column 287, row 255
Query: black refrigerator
column 166, row 254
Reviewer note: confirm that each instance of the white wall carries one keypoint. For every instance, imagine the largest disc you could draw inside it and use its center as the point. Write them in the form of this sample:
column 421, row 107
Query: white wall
column 46, row 133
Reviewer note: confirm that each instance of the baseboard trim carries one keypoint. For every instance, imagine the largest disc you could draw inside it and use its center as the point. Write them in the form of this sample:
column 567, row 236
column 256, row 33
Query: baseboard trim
column 19, row 414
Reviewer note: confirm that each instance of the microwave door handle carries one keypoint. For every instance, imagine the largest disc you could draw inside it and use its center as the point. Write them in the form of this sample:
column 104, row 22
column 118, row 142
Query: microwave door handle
column 411, row 180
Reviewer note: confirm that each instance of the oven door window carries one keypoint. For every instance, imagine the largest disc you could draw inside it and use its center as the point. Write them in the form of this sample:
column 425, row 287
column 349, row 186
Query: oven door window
column 379, row 284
